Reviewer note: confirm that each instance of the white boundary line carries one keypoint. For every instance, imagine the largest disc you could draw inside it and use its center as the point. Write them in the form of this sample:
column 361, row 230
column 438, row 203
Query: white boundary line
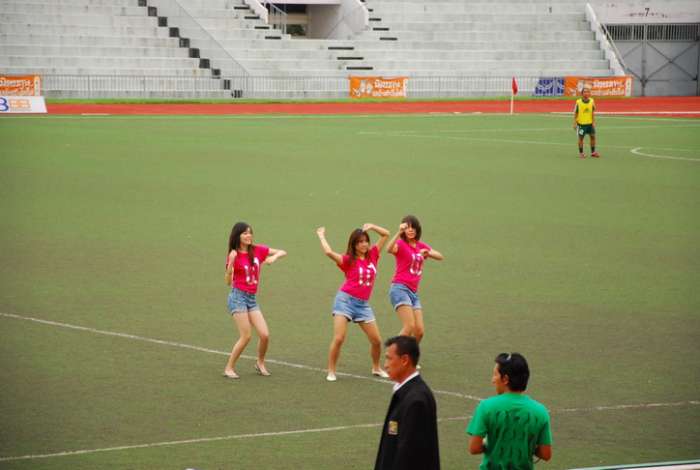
column 317, row 369
column 280, row 433
column 403, row 134
column 213, row 351
column 636, row 151
column 208, row 439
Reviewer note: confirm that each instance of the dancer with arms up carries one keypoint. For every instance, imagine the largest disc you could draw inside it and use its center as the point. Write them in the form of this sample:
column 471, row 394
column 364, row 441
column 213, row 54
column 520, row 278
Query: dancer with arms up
column 359, row 264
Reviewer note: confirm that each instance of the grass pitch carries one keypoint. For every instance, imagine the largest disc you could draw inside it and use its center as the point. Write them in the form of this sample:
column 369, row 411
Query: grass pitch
column 590, row 268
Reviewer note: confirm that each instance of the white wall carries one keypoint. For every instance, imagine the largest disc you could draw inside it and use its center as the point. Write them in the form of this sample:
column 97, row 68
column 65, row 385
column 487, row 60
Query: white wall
column 655, row 11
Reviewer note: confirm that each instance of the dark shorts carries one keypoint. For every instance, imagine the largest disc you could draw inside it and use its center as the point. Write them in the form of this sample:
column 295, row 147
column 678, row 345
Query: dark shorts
column 584, row 129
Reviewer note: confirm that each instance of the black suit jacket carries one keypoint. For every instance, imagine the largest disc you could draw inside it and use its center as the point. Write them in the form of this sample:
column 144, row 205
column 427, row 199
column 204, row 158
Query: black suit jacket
column 409, row 436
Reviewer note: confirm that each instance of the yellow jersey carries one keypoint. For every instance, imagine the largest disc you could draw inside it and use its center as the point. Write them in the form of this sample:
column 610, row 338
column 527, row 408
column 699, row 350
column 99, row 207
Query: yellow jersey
column 584, row 111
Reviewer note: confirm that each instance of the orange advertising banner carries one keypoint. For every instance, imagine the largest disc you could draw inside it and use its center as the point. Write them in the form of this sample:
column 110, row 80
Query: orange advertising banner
column 600, row 86
column 20, row 85
column 378, row 87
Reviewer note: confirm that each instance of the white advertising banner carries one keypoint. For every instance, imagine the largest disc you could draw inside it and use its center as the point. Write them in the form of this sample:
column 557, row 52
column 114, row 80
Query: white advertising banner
column 22, row 104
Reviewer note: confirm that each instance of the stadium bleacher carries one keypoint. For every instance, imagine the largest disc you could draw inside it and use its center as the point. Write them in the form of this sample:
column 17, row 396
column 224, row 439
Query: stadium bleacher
column 207, row 49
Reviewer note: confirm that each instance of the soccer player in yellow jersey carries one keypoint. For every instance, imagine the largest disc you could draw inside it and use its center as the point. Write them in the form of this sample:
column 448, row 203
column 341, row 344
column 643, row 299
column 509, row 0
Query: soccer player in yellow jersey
column 584, row 121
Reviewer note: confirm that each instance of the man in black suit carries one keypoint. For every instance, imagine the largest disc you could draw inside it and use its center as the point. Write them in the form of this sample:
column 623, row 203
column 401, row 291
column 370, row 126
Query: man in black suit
column 409, row 436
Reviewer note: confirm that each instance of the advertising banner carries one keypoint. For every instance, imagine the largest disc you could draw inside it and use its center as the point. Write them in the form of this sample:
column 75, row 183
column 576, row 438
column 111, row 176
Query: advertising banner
column 20, row 85
column 600, row 86
column 378, row 87
column 549, row 86
column 22, row 104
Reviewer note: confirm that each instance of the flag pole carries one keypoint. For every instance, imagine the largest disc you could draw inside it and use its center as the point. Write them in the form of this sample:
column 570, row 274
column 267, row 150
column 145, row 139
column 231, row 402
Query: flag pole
column 511, row 101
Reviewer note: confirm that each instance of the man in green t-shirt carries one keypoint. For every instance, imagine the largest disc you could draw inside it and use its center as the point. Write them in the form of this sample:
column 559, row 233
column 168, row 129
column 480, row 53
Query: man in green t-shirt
column 510, row 428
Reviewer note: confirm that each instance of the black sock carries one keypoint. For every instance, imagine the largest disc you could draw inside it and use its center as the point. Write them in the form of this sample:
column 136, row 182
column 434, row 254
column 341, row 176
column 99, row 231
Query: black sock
column 580, row 149
column 592, row 148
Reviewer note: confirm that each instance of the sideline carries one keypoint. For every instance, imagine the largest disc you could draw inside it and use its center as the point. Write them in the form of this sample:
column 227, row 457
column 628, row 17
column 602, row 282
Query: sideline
column 214, row 351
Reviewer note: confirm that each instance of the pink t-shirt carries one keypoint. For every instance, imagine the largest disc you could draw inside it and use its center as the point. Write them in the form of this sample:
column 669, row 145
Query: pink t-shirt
column 360, row 274
column 409, row 263
column 246, row 274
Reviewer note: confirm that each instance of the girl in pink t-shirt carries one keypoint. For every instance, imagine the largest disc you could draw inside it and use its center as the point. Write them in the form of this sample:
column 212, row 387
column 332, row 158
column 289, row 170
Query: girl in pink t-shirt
column 359, row 264
column 242, row 275
column 410, row 254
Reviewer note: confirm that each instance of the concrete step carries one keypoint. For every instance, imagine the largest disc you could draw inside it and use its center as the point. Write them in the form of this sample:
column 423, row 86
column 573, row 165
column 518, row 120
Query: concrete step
column 94, row 41
column 83, row 30
column 383, row 8
column 539, row 55
column 570, row 26
column 80, row 20
column 491, row 17
column 99, row 62
column 97, row 51
column 471, row 36
column 488, row 65
column 77, row 3
column 107, row 71
column 31, row 8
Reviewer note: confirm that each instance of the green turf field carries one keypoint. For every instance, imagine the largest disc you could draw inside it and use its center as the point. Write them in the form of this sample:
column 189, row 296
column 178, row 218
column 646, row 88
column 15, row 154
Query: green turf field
column 119, row 225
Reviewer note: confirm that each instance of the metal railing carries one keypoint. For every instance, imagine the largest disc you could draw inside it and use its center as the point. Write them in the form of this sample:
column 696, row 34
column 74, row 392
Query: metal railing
column 198, row 38
column 128, row 86
column 676, row 32
column 272, row 87
column 354, row 18
column 277, row 18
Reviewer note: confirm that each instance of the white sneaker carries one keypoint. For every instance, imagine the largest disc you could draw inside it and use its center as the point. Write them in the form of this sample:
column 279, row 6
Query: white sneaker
column 380, row 373
column 331, row 377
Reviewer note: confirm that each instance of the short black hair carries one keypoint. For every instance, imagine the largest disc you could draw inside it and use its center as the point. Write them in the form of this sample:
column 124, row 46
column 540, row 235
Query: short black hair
column 515, row 367
column 405, row 345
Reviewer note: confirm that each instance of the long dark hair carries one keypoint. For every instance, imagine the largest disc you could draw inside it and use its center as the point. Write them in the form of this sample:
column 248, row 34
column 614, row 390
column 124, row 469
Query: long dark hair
column 412, row 222
column 355, row 236
column 234, row 240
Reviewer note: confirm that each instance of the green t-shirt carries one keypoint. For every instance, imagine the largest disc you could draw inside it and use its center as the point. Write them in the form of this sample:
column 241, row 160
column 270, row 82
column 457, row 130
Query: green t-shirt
column 513, row 425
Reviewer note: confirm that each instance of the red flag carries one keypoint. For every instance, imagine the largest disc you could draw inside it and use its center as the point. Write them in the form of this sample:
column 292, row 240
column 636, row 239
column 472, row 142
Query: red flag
column 515, row 87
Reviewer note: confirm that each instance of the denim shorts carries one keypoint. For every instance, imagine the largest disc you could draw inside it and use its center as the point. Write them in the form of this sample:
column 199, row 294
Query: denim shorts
column 352, row 308
column 402, row 295
column 242, row 302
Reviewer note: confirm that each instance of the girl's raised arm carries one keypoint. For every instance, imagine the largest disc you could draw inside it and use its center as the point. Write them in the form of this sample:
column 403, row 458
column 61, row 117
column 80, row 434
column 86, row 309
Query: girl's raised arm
column 326, row 247
column 383, row 234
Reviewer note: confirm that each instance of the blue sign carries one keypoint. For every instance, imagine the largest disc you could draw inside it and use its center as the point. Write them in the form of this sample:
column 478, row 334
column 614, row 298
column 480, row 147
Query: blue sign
column 550, row 86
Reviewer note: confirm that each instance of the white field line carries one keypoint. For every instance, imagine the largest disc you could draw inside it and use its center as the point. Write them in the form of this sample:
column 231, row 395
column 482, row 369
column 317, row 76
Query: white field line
column 403, row 134
column 523, row 130
column 316, row 369
column 637, row 151
column 209, row 439
column 213, row 351
column 279, row 433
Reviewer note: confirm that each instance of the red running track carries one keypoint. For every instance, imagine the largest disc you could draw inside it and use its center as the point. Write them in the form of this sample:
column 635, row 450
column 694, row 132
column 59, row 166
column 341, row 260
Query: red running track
column 676, row 106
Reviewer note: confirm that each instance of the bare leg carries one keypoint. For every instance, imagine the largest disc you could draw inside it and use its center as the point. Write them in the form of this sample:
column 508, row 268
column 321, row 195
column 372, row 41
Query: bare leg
column 243, row 324
column 375, row 343
column 260, row 325
column 405, row 313
column 419, row 329
column 340, row 328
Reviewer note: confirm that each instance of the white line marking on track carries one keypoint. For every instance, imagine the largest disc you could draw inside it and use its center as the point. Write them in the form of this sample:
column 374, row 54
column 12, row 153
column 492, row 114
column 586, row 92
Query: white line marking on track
column 208, row 439
column 213, row 351
column 637, row 151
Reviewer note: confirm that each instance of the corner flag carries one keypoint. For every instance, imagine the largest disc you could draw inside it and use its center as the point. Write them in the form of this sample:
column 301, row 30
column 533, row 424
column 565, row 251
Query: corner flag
column 515, row 87
column 513, row 92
